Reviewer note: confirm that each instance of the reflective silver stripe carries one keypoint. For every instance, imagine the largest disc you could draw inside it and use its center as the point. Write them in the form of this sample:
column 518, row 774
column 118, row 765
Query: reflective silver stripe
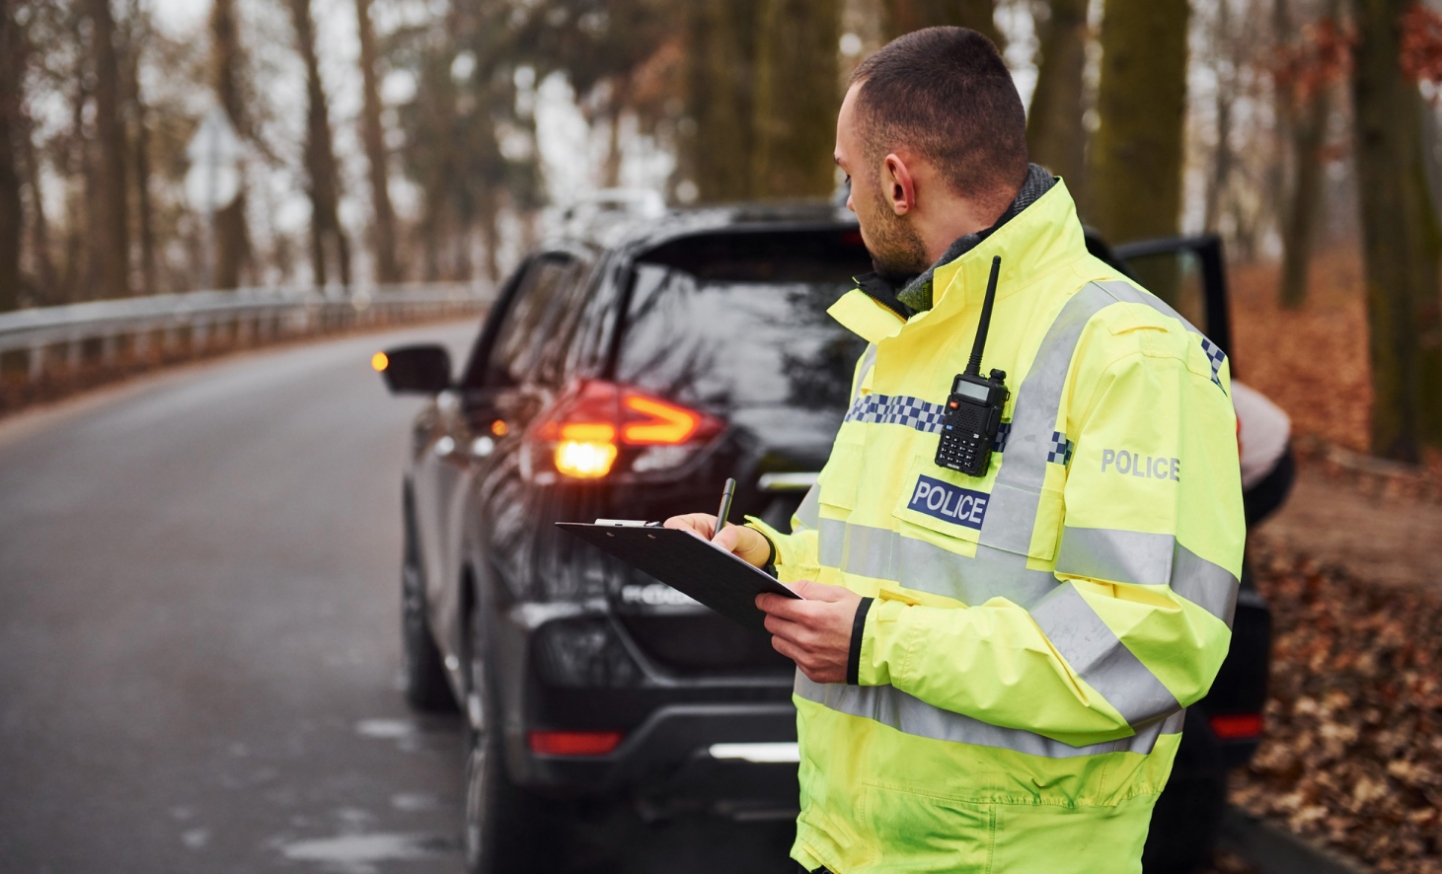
column 808, row 515
column 883, row 554
column 831, row 542
column 1011, row 513
column 1148, row 560
column 909, row 714
column 1209, row 586
column 1127, row 293
column 1095, row 652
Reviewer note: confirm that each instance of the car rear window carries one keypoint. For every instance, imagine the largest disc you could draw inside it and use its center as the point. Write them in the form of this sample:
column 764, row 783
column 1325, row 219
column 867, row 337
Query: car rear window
column 738, row 320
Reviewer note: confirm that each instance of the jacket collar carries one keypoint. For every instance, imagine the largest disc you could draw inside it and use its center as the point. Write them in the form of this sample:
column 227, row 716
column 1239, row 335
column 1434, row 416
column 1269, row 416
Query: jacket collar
column 1044, row 235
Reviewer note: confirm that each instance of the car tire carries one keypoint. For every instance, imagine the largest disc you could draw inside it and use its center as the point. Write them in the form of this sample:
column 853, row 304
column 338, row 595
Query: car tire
column 1188, row 815
column 426, row 686
column 506, row 827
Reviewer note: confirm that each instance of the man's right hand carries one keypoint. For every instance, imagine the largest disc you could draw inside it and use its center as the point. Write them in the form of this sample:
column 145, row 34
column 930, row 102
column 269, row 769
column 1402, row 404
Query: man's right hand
column 747, row 543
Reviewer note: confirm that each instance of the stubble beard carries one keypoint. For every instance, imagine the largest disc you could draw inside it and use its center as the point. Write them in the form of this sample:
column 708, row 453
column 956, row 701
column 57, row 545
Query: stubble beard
column 897, row 252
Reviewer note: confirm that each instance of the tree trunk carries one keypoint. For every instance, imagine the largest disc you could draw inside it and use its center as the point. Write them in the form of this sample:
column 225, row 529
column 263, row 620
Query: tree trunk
column 47, row 281
column 1136, row 160
column 111, row 232
column 327, row 236
column 1223, row 95
column 383, row 229
column 232, row 235
column 1302, row 203
column 796, row 99
column 721, row 65
column 1400, row 238
column 11, row 217
column 1055, row 133
column 620, row 97
column 904, row 16
column 138, row 115
column 1299, row 223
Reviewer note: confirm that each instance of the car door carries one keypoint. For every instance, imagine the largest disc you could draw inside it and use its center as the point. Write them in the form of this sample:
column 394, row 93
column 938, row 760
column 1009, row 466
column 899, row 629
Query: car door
column 478, row 420
column 441, row 470
column 530, row 361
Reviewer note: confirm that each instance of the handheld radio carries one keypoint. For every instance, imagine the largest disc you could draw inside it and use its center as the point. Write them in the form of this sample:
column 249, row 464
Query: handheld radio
column 973, row 412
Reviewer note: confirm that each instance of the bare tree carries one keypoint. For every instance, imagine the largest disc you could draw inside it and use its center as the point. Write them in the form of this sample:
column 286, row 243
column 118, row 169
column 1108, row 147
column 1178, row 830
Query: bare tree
column 1136, row 160
column 327, row 235
column 11, row 217
column 1303, row 107
column 383, row 228
column 1400, row 237
column 796, row 98
column 137, row 34
column 1055, row 133
column 722, row 61
column 111, row 233
column 227, row 59
column 904, row 16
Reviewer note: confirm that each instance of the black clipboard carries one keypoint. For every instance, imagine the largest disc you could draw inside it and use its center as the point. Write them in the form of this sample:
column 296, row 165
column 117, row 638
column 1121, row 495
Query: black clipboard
column 687, row 563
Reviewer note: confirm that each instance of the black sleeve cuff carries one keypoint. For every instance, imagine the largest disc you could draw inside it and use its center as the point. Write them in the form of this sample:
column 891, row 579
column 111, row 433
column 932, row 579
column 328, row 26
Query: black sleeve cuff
column 770, row 565
column 858, row 629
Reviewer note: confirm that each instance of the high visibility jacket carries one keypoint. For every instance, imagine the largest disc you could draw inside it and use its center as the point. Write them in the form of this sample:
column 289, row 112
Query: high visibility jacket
column 1019, row 678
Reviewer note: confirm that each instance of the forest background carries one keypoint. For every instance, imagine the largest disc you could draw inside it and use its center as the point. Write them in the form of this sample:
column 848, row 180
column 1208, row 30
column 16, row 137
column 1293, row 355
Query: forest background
column 381, row 141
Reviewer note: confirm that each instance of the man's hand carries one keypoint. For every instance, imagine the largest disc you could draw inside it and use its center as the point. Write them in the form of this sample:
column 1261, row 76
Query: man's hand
column 748, row 544
column 814, row 633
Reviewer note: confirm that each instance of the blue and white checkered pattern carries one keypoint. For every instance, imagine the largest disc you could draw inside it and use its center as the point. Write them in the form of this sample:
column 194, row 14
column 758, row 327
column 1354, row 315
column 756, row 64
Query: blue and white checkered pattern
column 1003, row 431
column 1217, row 356
column 1061, row 449
column 899, row 410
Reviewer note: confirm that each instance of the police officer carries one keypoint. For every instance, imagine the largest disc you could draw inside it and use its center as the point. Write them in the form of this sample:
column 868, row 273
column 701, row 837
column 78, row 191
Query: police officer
column 993, row 669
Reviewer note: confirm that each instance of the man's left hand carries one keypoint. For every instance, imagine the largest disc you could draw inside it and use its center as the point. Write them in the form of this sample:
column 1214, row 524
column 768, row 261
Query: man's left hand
column 814, row 633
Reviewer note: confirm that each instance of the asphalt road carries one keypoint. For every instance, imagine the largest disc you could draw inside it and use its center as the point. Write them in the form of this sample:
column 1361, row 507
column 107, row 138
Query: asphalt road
column 199, row 648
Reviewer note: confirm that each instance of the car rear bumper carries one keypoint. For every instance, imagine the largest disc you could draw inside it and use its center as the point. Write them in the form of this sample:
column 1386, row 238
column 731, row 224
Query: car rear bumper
column 735, row 757
column 719, row 742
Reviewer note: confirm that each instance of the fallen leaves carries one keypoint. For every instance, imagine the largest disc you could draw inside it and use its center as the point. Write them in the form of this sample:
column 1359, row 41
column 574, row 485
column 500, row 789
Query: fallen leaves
column 1353, row 754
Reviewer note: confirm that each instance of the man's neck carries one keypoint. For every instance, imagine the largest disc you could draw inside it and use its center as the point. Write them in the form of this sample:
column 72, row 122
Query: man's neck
column 955, row 220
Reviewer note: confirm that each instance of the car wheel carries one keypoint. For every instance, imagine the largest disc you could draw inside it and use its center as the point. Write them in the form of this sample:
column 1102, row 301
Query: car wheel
column 426, row 686
column 505, row 825
column 1188, row 815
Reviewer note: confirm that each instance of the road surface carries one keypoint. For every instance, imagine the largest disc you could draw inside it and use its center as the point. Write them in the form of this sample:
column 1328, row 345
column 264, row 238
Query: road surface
column 199, row 647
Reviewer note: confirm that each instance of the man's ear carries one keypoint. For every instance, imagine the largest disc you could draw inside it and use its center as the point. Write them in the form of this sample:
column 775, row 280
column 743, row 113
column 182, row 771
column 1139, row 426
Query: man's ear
column 900, row 190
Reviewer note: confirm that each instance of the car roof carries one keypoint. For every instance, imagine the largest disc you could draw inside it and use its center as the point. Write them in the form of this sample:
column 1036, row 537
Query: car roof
column 636, row 235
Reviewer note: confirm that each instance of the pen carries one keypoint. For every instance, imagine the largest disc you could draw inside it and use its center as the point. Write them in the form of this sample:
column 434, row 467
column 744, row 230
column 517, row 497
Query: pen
column 727, row 494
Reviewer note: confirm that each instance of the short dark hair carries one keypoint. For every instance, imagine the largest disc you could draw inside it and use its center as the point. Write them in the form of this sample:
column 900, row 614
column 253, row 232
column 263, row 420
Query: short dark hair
column 946, row 92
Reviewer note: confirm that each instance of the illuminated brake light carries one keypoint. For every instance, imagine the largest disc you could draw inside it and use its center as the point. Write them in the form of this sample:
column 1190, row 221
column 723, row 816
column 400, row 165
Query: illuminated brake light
column 592, row 422
column 1237, row 726
column 585, row 460
column 574, row 743
column 668, row 424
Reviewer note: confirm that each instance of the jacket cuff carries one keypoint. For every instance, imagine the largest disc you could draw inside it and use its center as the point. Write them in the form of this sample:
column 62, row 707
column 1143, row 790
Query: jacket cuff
column 770, row 565
column 858, row 634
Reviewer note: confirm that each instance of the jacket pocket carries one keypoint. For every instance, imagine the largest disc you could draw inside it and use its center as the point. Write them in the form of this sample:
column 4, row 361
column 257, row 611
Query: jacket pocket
column 919, row 832
column 953, row 505
column 941, row 501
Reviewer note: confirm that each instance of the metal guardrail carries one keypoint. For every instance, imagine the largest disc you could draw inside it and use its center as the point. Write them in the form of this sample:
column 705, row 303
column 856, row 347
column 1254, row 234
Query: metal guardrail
column 69, row 336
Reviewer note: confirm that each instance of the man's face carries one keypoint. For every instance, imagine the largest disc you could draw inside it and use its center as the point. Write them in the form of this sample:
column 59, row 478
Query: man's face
column 896, row 248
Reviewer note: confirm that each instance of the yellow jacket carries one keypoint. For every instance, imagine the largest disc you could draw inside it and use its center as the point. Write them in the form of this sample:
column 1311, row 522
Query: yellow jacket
column 1035, row 633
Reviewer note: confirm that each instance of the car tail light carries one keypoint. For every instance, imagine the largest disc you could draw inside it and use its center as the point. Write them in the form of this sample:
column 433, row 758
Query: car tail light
column 1237, row 726
column 598, row 423
column 574, row 743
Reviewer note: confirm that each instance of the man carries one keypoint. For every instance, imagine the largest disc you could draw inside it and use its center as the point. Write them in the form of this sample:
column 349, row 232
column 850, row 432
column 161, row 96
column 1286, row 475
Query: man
column 992, row 669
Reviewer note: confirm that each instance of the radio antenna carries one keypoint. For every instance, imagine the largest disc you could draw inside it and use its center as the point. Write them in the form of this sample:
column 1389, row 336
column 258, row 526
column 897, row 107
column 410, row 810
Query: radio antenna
column 973, row 367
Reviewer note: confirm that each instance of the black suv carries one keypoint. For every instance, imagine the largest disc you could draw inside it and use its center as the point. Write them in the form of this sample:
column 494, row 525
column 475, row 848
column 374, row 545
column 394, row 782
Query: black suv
column 626, row 372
